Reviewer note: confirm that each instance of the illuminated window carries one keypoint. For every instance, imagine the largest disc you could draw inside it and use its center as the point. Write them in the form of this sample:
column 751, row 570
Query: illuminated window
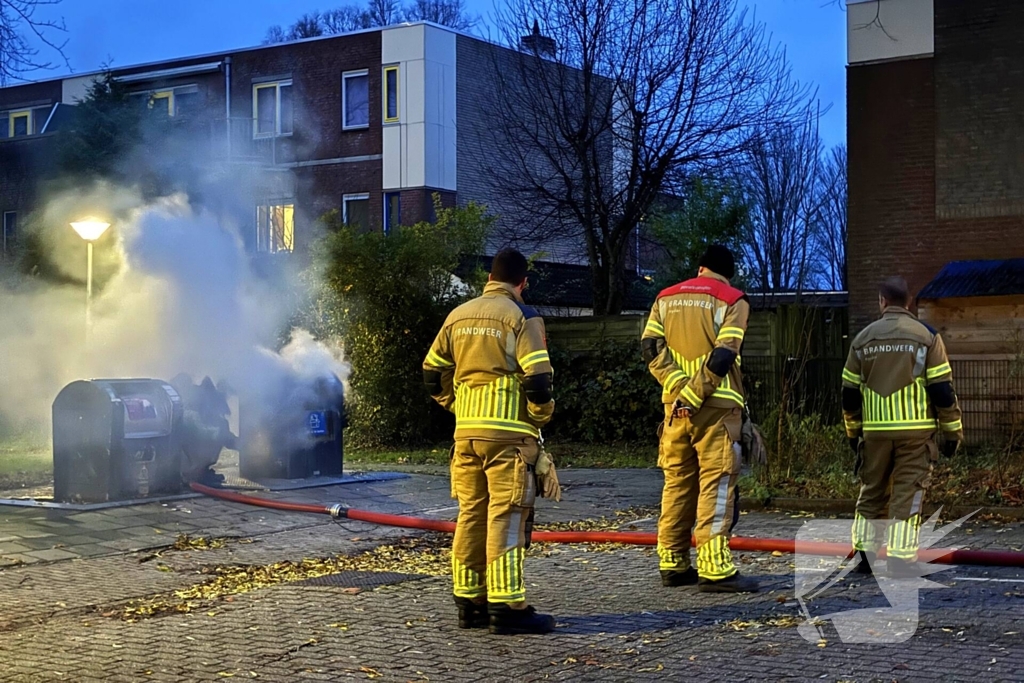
column 272, row 109
column 275, row 228
column 355, row 209
column 390, row 94
column 355, row 99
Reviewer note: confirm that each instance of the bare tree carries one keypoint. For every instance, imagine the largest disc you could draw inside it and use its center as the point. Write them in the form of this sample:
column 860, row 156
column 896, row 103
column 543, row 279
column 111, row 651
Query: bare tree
column 384, row 12
column 451, row 13
column 344, row 19
column 832, row 218
column 20, row 28
column 780, row 177
column 632, row 95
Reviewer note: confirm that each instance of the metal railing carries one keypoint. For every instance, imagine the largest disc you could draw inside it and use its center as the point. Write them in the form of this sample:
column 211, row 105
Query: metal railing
column 233, row 139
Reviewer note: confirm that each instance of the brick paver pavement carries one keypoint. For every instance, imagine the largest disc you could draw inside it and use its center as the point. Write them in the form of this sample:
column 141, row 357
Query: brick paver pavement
column 616, row 622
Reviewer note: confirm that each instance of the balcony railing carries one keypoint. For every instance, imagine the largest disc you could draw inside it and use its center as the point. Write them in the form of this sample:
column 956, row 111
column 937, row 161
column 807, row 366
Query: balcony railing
column 233, row 140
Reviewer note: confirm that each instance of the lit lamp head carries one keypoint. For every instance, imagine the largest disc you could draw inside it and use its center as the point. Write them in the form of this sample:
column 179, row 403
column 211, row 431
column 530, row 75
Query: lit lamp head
column 90, row 229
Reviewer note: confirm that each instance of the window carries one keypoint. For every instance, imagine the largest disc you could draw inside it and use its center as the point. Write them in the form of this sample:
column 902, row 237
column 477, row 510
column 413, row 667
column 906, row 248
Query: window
column 10, row 234
column 272, row 109
column 355, row 209
column 181, row 101
column 275, row 228
column 392, row 211
column 390, row 94
column 355, row 100
column 19, row 123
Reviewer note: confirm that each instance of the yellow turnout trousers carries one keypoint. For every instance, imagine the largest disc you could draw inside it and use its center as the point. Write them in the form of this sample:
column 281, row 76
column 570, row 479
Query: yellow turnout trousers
column 701, row 460
column 906, row 465
column 495, row 486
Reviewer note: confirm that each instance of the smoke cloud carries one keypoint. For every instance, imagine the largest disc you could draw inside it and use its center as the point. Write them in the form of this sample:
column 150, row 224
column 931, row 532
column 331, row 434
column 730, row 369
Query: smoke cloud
column 174, row 291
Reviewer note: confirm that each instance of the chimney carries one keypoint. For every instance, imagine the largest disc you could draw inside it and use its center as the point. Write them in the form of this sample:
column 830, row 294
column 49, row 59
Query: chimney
column 535, row 43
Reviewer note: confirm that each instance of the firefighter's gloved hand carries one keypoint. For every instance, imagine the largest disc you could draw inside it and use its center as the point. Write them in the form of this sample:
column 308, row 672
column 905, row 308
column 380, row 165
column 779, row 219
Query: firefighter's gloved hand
column 950, row 447
column 854, row 443
column 680, row 410
column 547, row 477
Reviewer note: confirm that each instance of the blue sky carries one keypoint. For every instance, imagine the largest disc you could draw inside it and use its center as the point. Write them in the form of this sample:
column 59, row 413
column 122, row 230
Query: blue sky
column 126, row 32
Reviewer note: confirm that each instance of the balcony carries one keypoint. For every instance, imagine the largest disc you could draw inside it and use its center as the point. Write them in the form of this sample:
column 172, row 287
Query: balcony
column 233, row 140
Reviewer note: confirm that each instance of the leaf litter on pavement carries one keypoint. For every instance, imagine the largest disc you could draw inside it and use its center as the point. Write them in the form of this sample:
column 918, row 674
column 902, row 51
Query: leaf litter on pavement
column 429, row 555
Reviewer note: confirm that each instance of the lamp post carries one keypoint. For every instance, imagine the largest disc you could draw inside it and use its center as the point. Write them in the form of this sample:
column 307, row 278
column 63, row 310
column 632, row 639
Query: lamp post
column 90, row 230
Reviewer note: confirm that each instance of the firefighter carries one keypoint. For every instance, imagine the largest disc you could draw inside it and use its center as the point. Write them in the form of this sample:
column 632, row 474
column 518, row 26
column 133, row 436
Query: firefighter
column 205, row 430
column 897, row 394
column 691, row 344
column 489, row 365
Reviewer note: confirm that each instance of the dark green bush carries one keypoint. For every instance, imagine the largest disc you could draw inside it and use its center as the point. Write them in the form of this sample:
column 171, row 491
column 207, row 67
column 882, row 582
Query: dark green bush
column 385, row 297
column 605, row 397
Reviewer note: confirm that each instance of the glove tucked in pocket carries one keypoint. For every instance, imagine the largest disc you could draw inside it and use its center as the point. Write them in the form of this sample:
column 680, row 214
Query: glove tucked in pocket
column 547, row 477
column 524, row 483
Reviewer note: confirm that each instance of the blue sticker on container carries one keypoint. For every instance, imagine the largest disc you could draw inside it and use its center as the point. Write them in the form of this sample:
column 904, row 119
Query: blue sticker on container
column 317, row 423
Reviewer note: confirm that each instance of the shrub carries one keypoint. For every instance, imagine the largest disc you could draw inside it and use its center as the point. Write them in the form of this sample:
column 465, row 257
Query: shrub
column 605, row 397
column 385, row 296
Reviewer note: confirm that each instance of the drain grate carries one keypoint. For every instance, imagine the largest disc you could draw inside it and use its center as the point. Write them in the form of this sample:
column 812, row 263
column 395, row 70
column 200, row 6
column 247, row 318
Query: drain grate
column 355, row 579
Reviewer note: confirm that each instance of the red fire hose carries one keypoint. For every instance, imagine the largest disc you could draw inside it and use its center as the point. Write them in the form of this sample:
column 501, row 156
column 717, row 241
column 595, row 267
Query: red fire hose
column 990, row 558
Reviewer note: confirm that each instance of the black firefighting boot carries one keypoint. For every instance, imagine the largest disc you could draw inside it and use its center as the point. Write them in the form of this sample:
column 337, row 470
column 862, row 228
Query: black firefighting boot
column 866, row 560
column 733, row 584
column 471, row 614
column 902, row 569
column 674, row 579
column 506, row 621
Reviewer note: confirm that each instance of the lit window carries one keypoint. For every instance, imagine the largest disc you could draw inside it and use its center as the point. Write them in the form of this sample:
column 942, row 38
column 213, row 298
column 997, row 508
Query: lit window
column 275, row 228
column 355, row 99
column 392, row 211
column 355, row 209
column 272, row 109
column 390, row 94
column 10, row 234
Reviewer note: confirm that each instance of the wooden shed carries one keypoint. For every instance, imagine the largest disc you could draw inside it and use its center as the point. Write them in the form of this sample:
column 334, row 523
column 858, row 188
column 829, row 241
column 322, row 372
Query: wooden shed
column 978, row 308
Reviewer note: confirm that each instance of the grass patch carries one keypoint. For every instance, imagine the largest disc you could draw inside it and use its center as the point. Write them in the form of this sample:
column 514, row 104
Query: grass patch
column 25, row 460
column 566, row 456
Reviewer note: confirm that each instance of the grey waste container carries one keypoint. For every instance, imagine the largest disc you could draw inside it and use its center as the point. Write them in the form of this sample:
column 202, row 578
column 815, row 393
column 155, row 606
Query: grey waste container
column 297, row 435
column 116, row 439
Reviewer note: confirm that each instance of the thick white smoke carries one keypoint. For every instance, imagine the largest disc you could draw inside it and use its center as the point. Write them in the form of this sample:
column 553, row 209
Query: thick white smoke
column 176, row 293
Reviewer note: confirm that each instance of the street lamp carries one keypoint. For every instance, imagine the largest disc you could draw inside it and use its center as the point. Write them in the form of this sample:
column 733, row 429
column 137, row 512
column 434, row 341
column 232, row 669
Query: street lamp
column 89, row 229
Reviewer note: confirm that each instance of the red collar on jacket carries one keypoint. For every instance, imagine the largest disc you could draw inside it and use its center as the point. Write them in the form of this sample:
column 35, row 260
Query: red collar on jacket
column 708, row 284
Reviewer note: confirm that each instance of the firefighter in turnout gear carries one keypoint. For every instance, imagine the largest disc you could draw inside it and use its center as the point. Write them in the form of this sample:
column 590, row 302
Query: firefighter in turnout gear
column 897, row 393
column 691, row 344
column 489, row 365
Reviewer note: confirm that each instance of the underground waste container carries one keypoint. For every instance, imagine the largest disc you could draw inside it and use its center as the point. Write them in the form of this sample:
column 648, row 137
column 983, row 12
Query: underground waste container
column 116, row 439
column 295, row 435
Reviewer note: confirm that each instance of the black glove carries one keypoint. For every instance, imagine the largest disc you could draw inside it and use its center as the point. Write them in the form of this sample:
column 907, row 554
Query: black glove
column 950, row 447
column 854, row 443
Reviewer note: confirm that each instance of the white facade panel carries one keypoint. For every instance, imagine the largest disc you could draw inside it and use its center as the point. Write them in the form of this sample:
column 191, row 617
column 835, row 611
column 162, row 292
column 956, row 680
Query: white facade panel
column 416, row 91
column 75, row 89
column 889, row 29
column 415, row 155
column 420, row 150
column 401, row 43
column 439, row 45
column 392, row 161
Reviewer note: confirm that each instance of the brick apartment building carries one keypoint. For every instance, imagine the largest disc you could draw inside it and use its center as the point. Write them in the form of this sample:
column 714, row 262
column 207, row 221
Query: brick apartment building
column 935, row 97
column 370, row 123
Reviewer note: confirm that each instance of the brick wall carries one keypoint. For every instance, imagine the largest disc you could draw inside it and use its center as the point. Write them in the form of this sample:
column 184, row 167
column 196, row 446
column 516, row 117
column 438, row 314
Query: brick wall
column 891, row 141
column 979, row 101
